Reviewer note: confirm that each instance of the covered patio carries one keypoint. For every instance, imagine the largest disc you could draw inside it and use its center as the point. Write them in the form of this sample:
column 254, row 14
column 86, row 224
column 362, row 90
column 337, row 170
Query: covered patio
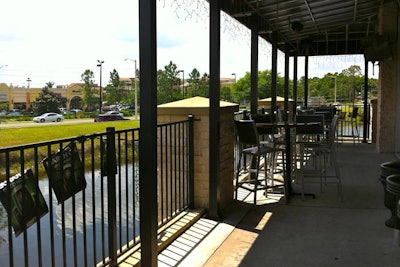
column 310, row 232
column 299, row 29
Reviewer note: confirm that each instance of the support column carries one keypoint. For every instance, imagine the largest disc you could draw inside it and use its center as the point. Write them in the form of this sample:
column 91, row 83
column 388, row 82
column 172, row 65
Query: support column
column 215, row 62
column 286, row 84
column 366, row 111
column 388, row 95
column 148, row 132
column 306, row 82
column 294, row 84
column 274, row 71
column 254, row 66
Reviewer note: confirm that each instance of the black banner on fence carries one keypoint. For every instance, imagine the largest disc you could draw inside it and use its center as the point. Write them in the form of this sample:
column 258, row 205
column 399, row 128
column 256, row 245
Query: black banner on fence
column 24, row 202
column 65, row 171
column 104, row 162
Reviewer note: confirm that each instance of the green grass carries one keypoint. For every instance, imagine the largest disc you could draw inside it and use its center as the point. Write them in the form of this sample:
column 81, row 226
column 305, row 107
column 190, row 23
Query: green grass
column 28, row 135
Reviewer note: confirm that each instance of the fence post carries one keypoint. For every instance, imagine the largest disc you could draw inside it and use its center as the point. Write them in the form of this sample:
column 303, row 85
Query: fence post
column 191, row 161
column 111, row 192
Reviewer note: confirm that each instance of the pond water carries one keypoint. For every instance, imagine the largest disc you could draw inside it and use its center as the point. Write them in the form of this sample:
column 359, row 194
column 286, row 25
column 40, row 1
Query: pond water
column 96, row 217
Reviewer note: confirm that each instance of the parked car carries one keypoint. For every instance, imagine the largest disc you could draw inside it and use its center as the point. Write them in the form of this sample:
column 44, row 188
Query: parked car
column 115, row 112
column 109, row 117
column 74, row 111
column 126, row 107
column 67, row 111
column 49, row 117
column 14, row 112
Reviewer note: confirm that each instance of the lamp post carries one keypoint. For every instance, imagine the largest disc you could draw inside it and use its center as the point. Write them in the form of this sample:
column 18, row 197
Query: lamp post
column 100, row 64
column 234, row 75
column 29, row 82
column 334, row 77
column 136, row 104
column 183, row 82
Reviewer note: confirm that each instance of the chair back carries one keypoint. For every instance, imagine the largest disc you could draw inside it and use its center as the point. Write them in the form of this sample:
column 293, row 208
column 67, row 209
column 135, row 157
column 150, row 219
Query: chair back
column 310, row 129
column 327, row 111
column 246, row 132
column 280, row 115
column 354, row 113
column 306, row 112
column 332, row 130
column 264, row 118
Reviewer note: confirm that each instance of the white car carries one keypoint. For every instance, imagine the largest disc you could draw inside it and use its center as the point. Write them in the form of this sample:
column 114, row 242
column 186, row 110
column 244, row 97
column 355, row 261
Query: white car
column 114, row 112
column 49, row 117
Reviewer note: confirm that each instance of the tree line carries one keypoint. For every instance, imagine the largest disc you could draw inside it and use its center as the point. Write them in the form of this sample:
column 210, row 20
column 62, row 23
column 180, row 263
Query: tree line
column 172, row 86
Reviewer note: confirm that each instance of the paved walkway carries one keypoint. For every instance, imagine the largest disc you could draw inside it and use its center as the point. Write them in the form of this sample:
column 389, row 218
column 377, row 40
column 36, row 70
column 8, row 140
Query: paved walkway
column 308, row 232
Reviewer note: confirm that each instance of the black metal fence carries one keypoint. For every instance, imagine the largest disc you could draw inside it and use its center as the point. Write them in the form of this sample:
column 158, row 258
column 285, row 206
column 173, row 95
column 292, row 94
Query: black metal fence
column 75, row 201
column 351, row 122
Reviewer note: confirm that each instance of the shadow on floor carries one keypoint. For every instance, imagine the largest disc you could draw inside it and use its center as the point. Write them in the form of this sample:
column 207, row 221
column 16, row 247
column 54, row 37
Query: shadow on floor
column 319, row 232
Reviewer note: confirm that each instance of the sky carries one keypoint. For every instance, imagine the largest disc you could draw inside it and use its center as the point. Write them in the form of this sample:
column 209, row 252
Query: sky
column 56, row 41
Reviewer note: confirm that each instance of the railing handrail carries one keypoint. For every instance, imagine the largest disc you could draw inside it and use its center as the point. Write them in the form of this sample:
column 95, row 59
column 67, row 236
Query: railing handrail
column 125, row 141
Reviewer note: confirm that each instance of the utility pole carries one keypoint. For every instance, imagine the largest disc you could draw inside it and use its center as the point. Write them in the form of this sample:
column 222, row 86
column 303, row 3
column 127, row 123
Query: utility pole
column 334, row 77
column 100, row 64
column 134, row 79
column 29, row 82
column 183, row 82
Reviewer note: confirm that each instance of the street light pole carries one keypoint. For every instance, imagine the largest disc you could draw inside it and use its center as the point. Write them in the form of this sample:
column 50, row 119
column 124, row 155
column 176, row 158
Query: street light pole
column 334, row 77
column 100, row 64
column 136, row 102
column 183, row 82
column 234, row 75
column 29, row 82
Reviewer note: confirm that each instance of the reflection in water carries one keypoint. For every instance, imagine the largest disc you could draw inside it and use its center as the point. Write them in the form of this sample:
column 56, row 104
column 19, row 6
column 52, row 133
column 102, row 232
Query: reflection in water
column 92, row 210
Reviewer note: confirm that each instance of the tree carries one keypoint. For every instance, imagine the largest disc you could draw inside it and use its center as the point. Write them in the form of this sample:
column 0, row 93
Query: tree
column 204, row 87
column 3, row 106
column 113, row 91
column 49, row 85
column 197, row 86
column 89, row 98
column 193, row 83
column 241, row 92
column 349, row 85
column 352, row 82
column 168, row 84
column 226, row 93
column 47, row 101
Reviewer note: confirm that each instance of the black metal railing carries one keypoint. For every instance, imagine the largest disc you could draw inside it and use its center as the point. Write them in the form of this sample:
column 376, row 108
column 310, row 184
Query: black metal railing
column 350, row 127
column 351, row 123
column 93, row 218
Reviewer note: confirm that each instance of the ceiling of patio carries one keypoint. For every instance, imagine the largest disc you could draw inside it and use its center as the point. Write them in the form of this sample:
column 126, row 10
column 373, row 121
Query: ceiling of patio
column 311, row 27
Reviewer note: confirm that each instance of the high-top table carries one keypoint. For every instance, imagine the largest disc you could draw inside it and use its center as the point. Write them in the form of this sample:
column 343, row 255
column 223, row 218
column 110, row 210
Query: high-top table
column 288, row 126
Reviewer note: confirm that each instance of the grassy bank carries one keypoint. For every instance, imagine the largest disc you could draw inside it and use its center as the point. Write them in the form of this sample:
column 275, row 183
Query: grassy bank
column 28, row 135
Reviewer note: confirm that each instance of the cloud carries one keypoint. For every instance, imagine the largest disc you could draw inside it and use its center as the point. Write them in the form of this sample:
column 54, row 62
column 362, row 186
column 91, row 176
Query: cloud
column 164, row 40
column 9, row 37
column 57, row 40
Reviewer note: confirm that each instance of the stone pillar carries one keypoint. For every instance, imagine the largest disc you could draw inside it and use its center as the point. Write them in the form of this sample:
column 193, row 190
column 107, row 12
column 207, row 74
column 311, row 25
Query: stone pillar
column 388, row 82
column 199, row 108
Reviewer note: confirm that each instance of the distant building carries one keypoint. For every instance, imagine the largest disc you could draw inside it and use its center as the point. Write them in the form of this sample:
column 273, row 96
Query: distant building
column 71, row 95
column 227, row 82
column 316, row 101
column 22, row 97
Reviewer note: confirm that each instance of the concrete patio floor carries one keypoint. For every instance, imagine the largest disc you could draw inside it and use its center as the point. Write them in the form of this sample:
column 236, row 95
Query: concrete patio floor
column 321, row 231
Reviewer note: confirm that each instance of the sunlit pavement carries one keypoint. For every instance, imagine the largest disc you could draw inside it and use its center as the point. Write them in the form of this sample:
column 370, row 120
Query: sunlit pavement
column 305, row 232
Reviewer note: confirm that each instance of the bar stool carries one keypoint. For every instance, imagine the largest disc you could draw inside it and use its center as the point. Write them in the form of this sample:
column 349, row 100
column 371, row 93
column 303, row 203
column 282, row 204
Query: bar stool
column 250, row 145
